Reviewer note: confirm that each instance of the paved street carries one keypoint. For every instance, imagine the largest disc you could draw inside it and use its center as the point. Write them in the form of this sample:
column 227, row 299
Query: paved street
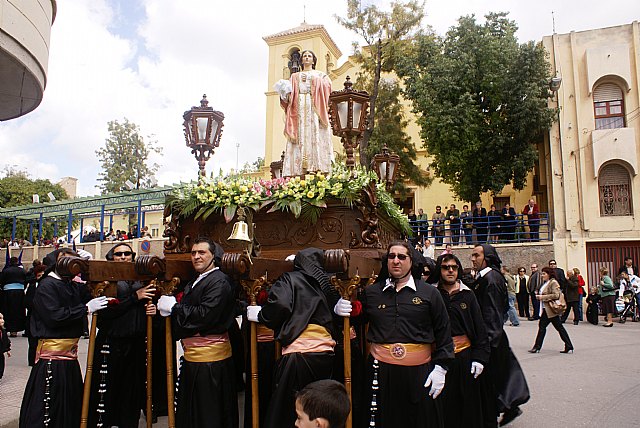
column 598, row 386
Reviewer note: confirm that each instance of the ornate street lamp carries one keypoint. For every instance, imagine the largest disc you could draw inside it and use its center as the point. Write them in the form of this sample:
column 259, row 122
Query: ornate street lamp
column 202, row 130
column 386, row 166
column 348, row 113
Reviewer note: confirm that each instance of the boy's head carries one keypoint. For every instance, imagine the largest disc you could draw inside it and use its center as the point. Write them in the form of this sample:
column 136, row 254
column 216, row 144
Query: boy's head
column 1, row 320
column 324, row 404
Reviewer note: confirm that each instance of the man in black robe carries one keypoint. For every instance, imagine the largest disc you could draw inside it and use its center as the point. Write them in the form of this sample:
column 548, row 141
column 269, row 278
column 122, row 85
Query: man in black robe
column 206, row 396
column 53, row 394
column 471, row 347
column 504, row 385
column 298, row 311
column 411, row 345
column 118, row 388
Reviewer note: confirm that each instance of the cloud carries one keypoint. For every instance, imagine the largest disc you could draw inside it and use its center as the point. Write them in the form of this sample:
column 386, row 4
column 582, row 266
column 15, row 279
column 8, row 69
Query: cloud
column 150, row 60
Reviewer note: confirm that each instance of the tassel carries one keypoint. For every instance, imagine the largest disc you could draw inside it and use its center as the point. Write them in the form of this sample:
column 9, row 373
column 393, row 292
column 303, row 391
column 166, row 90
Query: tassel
column 374, row 396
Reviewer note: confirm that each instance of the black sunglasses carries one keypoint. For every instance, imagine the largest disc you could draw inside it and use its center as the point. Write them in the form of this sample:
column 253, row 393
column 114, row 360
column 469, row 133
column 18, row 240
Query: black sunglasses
column 449, row 267
column 122, row 253
column 392, row 256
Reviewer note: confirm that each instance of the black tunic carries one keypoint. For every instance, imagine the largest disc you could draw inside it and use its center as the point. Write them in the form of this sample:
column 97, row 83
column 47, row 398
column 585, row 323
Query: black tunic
column 206, row 396
column 462, row 391
column 58, row 311
column 406, row 316
column 13, row 305
column 120, row 351
column 504, row 384
column 295, row 301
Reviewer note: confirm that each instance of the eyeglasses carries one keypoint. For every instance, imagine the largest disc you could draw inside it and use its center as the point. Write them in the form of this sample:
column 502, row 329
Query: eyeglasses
column 449, row 267
column 122, row 253
column 401, row 257
column 520, row 271
column 552, row 264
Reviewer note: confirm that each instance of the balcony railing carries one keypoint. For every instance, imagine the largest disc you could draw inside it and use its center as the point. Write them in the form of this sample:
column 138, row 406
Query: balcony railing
column 471, row 231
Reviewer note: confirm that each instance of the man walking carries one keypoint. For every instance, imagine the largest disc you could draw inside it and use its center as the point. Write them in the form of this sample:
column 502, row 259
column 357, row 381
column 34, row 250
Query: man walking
column 535, row 282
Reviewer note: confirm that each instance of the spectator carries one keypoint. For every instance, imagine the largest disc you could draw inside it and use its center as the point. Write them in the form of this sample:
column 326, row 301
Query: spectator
column 572, row 296
column 467, row 224
column 480, row 223
column 607, row 293
column 511, row 294
column 522, row 292
column 323, row 403
column 453, row 216
column 629, row 267
column 509, row 222
column 494, row 218
column 423, row 224
column 447, row 250
column 581, row 291
column 535, row 282
column 437, row 221
column 533, row 218
column 428, row 251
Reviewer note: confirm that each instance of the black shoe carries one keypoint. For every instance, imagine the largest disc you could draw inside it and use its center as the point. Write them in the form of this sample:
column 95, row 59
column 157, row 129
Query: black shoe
column 576, row 322
column 534, row 350
column 531, row 319
column 567, row 350
column 509, row 416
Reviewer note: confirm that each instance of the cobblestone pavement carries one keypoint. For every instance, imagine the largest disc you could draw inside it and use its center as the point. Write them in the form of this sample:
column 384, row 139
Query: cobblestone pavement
column 597, row 386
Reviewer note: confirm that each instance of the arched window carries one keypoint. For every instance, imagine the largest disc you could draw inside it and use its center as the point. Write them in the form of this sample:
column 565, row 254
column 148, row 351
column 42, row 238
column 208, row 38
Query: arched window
column 615, row 190
column 608, row 106
column 294, row 61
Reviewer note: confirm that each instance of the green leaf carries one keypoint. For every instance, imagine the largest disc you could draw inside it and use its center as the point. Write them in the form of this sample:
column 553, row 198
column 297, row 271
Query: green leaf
column 296, row 207
column 229, row 213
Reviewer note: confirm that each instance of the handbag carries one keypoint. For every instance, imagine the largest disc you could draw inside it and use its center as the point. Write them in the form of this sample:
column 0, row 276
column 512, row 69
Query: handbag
column 558, row 306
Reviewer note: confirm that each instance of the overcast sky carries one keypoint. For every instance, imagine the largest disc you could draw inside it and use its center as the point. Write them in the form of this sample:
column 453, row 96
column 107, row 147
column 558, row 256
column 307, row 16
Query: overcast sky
column 150, row 60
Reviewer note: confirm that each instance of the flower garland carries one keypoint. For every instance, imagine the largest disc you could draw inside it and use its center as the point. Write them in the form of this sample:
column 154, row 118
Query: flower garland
column 305, row 196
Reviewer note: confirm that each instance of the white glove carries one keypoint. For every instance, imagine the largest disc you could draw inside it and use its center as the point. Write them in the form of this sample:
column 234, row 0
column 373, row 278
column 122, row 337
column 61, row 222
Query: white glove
column 252, row 312
column 165, row 305
column 436, row 381
column 342, row 308
column 476, row 369
column 94, row 305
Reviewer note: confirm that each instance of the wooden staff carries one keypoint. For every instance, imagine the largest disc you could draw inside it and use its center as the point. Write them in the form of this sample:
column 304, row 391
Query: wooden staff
column 149, row 371
column 346, row 288
column 252, row 287
column 87, row 377
column 171, row 412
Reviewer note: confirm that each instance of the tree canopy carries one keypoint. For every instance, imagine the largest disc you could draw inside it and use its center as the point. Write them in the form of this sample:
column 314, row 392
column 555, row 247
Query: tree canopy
column 16, row 188
column 481, row 101
column 125, row 157
column 385, row 34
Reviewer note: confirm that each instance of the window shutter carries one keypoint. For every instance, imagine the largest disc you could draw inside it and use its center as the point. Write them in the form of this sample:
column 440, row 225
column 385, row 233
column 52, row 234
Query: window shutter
column 607, row 92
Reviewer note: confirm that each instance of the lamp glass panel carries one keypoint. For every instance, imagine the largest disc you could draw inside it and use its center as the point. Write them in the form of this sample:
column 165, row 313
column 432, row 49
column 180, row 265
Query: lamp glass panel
column 392, row 170
column 382, row 167
column 214, row 129
column 343, row 109
column 357, row 110
column 202, row 129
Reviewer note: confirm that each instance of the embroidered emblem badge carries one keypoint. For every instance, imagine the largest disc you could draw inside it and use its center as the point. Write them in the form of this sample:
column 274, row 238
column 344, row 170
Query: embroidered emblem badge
column 463, row 306
column 398, row 351
column 416, row 300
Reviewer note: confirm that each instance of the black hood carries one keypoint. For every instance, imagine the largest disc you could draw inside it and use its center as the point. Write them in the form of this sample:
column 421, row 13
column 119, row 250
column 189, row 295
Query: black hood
column 50, row 259
column 109, row 255
column 491, row 256
column 310, row 262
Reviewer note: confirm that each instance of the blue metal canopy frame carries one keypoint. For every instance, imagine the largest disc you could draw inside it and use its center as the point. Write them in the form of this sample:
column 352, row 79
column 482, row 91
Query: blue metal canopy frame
column 95, row 205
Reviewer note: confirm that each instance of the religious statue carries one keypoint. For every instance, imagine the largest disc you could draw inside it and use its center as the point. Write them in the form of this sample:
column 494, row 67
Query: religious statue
column 305, row 100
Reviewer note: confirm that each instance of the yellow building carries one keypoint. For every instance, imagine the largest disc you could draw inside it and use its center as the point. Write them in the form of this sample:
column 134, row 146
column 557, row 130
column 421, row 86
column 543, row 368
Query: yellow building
column 592, row 151
column 282, row 47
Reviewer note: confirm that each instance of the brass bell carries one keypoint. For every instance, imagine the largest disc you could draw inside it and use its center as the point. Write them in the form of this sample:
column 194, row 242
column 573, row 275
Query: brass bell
column 240, row 232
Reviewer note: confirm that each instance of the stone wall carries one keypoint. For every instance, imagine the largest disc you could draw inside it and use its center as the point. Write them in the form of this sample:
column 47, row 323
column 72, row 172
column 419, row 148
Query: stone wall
column 512, row 255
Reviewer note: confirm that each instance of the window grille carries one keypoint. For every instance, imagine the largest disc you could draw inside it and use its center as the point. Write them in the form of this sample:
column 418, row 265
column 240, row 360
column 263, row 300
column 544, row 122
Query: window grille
column 615, row 191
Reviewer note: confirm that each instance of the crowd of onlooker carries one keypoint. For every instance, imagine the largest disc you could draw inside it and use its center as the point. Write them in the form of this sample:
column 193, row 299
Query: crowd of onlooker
column 472, row 227
column 89, row 235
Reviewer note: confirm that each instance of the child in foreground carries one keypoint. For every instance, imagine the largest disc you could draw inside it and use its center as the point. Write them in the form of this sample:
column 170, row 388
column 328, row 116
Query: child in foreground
column 322, row 404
